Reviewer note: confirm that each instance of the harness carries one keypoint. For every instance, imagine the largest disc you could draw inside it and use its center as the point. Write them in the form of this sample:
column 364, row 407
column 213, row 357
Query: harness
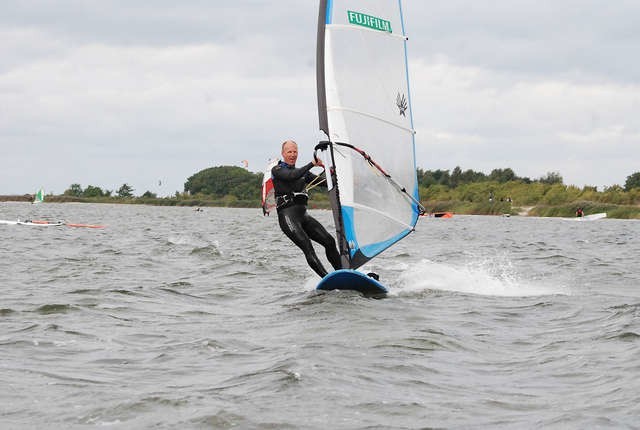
column 290, row 199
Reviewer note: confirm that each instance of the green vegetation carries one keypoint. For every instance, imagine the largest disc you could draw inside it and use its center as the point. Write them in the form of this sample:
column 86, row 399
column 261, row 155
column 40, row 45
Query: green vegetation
column 458, row 191
column 502, row 192
column 633, row 181
column 224, row 181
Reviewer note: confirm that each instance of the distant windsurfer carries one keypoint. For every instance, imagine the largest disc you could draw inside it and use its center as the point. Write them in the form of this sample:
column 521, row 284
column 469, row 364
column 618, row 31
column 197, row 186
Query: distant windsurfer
column 289, row 185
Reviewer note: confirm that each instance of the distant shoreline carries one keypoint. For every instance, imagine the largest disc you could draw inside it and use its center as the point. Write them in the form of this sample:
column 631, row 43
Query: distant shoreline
column 22, row 198
column 455, row 207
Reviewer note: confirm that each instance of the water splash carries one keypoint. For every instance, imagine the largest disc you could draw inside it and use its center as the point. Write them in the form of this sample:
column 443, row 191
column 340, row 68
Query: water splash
column 490, row 277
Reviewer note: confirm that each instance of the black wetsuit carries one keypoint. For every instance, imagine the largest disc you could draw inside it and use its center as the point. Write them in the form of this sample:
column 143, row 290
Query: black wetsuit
column 291, row 203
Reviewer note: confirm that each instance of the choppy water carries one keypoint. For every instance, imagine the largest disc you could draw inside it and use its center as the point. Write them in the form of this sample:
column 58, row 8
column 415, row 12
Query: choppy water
column 171, row 318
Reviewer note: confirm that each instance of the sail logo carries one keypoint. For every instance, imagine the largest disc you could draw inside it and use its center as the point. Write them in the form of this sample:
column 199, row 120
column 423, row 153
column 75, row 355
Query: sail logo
column 364, row 20
column 401, row 102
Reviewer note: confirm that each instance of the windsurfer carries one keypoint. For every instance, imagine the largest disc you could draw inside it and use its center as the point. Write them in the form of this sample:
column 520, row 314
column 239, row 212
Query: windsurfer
column 291, row 203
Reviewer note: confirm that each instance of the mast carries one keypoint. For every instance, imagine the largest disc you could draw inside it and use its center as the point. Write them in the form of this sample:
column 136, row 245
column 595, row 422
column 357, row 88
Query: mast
column 332, row 184
column 320, row 87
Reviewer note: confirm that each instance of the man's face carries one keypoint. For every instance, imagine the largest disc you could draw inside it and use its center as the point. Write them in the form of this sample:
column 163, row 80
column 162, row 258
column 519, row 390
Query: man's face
column 290, row 153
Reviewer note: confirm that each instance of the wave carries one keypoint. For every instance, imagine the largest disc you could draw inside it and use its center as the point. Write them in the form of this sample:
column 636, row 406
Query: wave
column 54, row 308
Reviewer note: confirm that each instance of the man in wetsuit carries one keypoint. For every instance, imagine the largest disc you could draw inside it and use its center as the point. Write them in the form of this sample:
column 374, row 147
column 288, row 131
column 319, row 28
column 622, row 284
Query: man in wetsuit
column 291, row 203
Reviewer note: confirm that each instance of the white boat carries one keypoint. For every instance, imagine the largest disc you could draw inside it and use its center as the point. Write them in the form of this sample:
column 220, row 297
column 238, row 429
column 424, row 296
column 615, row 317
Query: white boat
column 592, row 217
column 35, row 223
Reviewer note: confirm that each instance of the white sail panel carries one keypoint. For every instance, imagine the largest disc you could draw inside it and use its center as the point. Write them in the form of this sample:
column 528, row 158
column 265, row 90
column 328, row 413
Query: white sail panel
column 367, row 105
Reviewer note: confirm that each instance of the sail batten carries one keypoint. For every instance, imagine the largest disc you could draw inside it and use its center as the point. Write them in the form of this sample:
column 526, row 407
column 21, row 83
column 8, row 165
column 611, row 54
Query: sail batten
column 347, row 109
column 364, row 104
column 384, row 214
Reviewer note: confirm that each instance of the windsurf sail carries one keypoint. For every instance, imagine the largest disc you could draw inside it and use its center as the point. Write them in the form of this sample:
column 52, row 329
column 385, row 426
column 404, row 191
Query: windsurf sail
column 268, row 194
column 39, row 196
column 364, row 108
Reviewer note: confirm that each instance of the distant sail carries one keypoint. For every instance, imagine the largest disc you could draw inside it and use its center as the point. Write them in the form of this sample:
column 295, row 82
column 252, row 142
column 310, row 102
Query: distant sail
column 39, row 197
column 364, row 107
column 268, row 194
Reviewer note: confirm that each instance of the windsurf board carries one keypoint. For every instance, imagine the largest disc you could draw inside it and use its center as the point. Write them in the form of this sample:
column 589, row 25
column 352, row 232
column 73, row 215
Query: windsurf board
column 347, row 279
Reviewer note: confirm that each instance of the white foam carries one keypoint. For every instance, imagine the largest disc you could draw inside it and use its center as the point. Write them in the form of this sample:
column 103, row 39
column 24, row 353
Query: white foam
column 311, row 282
column 487, row 277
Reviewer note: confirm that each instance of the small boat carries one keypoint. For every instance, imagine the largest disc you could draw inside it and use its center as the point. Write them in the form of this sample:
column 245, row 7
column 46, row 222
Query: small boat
column 438, row 215
column 46, row 223
column 37, row 223
column 592, row 217
column 39, row 196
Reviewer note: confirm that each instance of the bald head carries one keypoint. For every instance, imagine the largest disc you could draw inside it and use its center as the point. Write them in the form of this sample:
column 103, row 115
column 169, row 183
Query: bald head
column 288, row 142
column 289, row 152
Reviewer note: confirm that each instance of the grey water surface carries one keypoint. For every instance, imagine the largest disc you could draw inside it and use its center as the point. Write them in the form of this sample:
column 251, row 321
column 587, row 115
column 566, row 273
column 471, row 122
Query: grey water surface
column 174, row 318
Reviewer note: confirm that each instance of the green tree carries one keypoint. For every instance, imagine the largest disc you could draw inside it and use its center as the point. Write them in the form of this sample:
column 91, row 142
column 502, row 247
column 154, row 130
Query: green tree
column 556, row 194
column 502, row 175
column 433, row 177
column 125, row 191
column 456, row 177
column 551, row 178
column 92, row 191
column 225, row 180
column 475, row 191
column 614, row 194
column 74, row 190
column 150, row 195
column 633, row 181
column 470, row 176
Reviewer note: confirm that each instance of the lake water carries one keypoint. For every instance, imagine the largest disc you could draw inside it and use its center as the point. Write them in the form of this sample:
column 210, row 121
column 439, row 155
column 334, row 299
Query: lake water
column 172, row 318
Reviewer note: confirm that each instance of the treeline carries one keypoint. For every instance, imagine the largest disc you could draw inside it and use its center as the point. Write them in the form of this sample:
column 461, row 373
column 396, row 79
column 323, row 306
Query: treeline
column 458, row 177
column 505, row 185
column 233, row 182
column 462, row 191
column 218, row 182
column 216, row 186
column 125, row 191
column 502, row 191
column 225, row 180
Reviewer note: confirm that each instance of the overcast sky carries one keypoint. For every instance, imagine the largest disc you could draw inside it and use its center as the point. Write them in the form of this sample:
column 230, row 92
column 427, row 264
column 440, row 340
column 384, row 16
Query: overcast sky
column 106, row 92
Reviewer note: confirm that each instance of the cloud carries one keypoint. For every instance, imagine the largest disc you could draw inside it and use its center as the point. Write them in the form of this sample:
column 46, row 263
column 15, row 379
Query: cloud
column 104, row 93
column 484, row 119
column 576, row 39
column 162, row 108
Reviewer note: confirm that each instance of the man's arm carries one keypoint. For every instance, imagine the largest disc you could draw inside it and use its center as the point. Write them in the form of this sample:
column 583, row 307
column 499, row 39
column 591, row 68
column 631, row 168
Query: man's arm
column 283, row 174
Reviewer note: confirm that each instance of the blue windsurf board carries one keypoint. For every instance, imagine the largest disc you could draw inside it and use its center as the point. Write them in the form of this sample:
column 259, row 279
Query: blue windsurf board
column 347, row 279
